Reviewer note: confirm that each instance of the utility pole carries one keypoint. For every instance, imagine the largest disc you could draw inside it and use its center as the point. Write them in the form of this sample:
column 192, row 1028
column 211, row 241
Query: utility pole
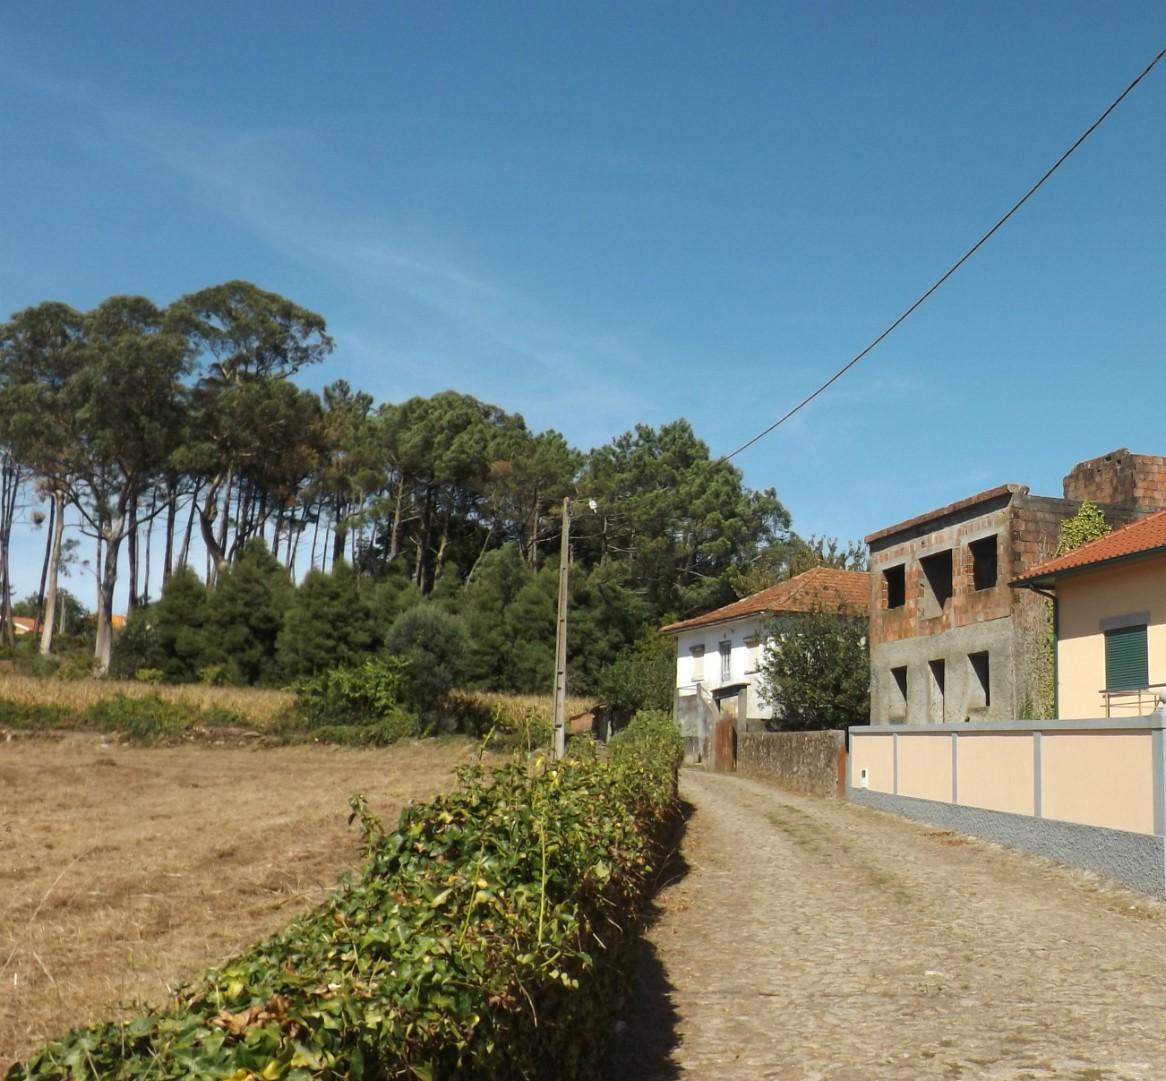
column 559, row 747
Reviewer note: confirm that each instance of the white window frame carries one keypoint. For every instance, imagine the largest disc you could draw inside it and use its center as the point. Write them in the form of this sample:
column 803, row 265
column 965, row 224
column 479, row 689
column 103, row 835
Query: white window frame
column 726, row 651
column 697, row 653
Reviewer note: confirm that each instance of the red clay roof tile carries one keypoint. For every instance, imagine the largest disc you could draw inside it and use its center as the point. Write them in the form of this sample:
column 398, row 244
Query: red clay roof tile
column 819, row 588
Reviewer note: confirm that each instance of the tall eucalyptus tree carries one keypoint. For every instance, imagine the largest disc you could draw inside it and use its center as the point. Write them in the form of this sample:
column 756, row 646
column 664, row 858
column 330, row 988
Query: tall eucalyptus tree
column 40, row 351
column 249, row 342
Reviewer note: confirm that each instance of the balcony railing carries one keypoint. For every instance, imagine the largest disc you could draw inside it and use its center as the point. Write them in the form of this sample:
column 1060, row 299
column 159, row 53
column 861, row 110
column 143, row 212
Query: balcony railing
column 1135, row 702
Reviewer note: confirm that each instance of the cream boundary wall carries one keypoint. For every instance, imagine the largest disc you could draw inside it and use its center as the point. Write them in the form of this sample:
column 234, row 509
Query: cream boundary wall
column 924, row 767
column 1109, row 774
column 1099, row 779
column 1084, row 600
column 996, row 772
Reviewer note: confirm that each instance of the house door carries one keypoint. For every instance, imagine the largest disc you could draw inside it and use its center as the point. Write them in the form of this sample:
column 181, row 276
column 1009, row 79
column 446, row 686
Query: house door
column 725, row 744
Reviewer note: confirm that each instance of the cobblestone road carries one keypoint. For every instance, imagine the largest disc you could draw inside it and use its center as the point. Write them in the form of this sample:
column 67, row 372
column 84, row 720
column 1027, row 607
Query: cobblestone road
column 810, row 939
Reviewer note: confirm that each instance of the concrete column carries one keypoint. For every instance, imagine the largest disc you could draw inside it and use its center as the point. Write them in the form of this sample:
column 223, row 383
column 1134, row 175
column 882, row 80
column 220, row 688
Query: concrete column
column 1158, row 750
column 1037, row 808
column 955, row 768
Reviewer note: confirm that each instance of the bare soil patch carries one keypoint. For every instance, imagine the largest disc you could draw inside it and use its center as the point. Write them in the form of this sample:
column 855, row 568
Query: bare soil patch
column 126, row 870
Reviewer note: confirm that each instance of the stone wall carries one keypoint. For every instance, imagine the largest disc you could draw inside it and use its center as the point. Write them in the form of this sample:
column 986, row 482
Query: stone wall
column 812, row 763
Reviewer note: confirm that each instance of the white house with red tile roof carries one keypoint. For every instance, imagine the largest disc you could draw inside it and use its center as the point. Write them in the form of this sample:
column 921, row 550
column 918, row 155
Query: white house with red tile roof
column 719, row 654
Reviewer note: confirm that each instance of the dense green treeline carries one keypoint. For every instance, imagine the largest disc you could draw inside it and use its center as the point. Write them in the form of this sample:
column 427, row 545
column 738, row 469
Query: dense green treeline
column 496, row 632
column 177, row 438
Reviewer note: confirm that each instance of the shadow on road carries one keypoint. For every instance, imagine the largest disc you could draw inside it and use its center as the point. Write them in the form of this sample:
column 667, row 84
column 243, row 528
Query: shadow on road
column 645, row 1029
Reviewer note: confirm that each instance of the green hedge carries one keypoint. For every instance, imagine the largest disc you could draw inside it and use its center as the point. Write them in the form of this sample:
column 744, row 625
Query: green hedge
column 484, row 939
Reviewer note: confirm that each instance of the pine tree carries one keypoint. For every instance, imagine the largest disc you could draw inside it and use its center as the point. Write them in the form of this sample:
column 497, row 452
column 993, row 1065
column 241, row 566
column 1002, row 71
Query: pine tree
column 247, row 608
column 179, row 623
column 328, row 624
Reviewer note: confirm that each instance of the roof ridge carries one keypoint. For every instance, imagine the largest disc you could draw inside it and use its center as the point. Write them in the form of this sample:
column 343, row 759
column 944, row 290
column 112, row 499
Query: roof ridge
column 849, row 590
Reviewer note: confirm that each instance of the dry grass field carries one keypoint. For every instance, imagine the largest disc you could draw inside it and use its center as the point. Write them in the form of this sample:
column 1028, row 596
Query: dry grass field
column 126, row 870
column 260, row 707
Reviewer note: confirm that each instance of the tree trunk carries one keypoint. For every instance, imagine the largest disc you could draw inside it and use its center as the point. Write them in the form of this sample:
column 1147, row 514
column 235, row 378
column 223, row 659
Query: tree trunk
column 132, row 557
column 481, row 554
column 184, row 554
column 398, row 515
column 295, row 534
column 171, row 522
column 220, row 537
column 57, row 529
column 103, row 648
column 275, row 533
column 214, row 538
column 97, row 570
column 423, row 542
column 149, row 537
column 243, row 493
column 439, row 557
column 339, row 534
column 9, row 486
column 316, row 534
column 44, row 568
column 532, row 523
column 120, row 523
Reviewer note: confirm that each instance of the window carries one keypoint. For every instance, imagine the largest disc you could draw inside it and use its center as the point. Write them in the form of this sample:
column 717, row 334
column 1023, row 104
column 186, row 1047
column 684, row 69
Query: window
column 726, row 661
column 937, row 574
column 935, row 703
column 897, row 699
column 984, row 567
column 1127, row 664
column 981, row 689
column 697, row 663
column 895, row 579
column 752, row 653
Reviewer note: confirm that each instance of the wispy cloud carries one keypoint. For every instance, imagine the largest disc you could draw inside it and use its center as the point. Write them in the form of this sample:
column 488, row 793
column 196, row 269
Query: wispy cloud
column 255, row 181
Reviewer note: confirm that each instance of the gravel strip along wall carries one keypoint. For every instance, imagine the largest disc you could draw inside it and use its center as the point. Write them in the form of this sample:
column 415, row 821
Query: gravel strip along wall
column 1091, row 793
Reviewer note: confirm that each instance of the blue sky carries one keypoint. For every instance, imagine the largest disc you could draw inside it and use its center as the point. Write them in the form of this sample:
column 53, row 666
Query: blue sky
column 603, row 214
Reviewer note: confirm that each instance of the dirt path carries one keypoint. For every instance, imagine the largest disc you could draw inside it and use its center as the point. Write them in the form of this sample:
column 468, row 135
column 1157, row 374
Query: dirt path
column 812, row 939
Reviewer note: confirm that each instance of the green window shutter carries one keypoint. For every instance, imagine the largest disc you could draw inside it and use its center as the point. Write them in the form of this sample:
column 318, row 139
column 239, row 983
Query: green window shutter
column 1126, row 660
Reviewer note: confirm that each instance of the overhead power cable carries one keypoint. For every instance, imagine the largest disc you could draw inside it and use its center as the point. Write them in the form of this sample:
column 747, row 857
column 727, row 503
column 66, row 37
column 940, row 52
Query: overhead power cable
column 952, row 269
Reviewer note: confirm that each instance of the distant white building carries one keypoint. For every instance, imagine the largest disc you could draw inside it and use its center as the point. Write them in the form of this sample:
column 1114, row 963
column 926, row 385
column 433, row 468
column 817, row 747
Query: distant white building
column 719, row 655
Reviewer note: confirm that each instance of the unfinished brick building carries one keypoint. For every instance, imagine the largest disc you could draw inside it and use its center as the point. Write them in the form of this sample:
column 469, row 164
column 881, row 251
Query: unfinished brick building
column 949, row 640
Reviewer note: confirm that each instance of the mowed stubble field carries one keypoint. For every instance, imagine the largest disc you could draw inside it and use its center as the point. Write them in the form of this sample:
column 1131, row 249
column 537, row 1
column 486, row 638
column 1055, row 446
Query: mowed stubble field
column 125, row 870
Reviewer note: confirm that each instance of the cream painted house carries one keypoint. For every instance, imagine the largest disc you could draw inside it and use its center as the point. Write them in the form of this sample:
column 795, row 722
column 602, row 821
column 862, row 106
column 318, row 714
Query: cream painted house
column 1109, row 601
column 719, row 655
